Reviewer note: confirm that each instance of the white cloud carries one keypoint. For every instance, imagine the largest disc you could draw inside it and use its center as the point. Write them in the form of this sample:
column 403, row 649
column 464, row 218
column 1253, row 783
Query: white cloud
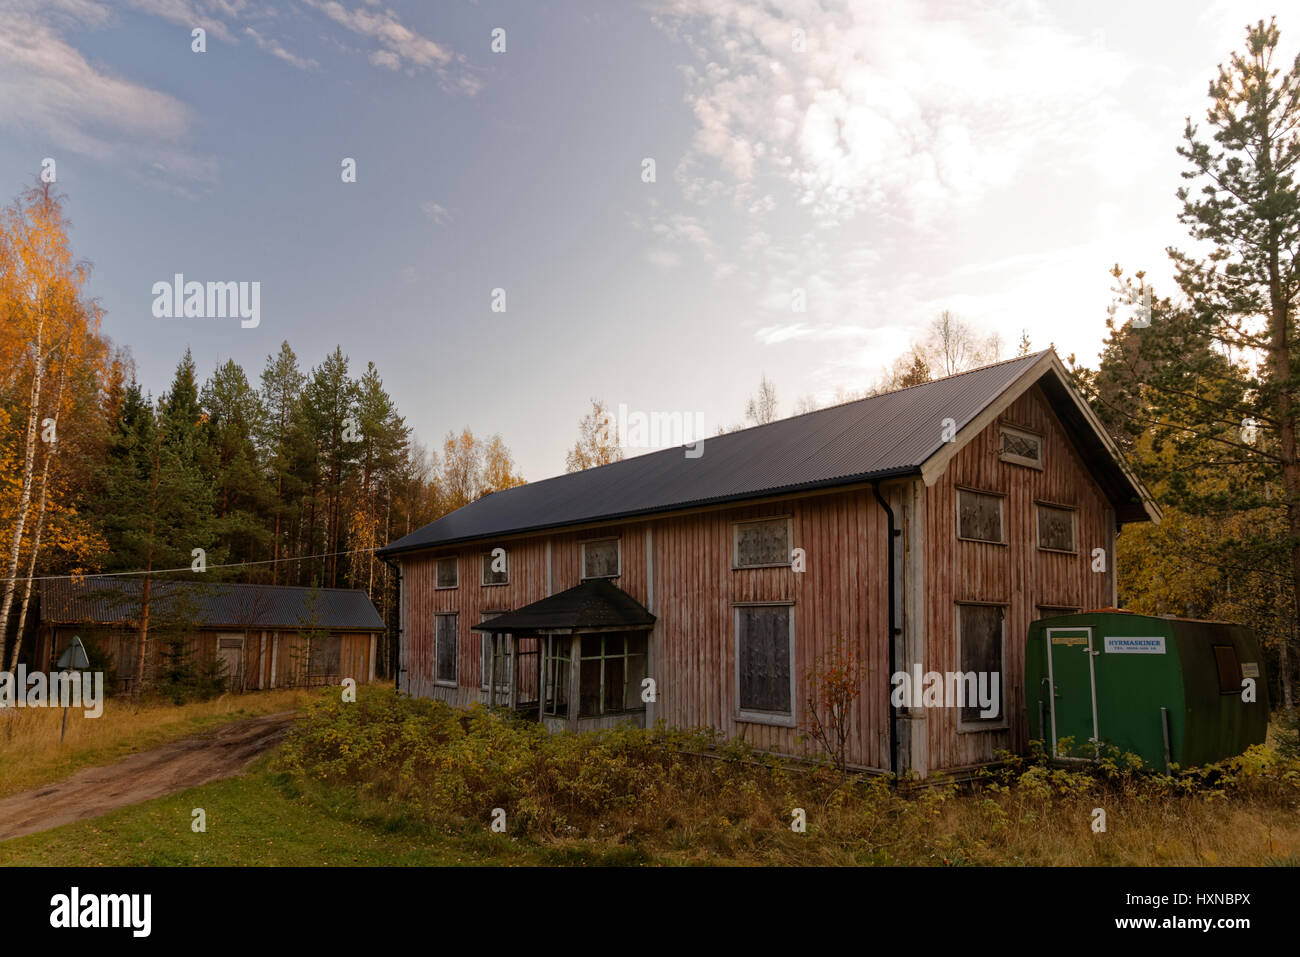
column 436, row 212
column 400, row 47
column 48, row 88
column 274, row 48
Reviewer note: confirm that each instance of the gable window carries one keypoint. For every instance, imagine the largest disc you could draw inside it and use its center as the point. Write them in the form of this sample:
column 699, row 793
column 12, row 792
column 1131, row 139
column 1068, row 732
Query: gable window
column 447, row 573
column 323, row 656
column 487, row 643
column 601, row 559
column 980, row 635
column 1020, row 446
column 765, row 663
column 1055, row 528
column 445, row 648
column 979, row 516
column 761, row 544
column 496, row 568
column 610, row 670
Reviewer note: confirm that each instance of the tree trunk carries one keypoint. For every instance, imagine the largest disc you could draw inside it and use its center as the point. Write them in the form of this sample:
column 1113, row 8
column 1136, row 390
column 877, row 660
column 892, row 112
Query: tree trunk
column 25, row 496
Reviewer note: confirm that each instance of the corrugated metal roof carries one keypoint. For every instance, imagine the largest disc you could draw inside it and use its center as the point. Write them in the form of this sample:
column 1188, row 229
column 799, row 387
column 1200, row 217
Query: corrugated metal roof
column 594, row 604
column 109, row 600
column 893, row 433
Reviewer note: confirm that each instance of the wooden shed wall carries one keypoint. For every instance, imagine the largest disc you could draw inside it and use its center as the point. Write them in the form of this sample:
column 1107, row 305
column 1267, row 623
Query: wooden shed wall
column 1017, row 575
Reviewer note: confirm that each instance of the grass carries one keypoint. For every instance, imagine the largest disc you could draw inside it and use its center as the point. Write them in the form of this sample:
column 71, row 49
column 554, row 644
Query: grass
column 251, row 820
column 31, row 753
column 392, row 781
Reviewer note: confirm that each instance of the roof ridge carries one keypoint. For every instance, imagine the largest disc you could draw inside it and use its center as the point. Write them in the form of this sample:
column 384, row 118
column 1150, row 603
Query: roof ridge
column 788, row 418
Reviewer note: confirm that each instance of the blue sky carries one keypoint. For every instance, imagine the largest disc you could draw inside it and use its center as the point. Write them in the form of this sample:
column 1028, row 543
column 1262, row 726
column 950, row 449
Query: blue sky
column 991, row 158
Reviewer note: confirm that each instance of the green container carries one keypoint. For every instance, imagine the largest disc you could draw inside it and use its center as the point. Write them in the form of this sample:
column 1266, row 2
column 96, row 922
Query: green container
column 1169, row 690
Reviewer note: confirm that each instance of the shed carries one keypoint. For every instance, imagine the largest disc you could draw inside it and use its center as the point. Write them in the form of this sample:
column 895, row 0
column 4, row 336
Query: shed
column 267, row 636
column 1169, row 690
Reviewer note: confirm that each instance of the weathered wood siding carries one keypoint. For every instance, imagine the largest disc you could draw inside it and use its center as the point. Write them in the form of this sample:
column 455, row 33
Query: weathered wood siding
column 842, row 593
column 1018, row 575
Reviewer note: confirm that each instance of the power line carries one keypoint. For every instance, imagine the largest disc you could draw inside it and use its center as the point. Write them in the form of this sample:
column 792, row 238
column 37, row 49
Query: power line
column 187, row 568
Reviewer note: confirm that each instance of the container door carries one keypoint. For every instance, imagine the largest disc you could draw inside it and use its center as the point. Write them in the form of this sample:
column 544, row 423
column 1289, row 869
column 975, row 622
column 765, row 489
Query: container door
column 1074, row 688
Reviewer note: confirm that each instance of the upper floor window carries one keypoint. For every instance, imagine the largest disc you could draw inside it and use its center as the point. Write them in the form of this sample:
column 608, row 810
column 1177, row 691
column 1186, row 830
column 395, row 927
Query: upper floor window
column 1055, row 528
column 448, row 574
column 1021, row 446
column 762, row 543
column 979, row 516
column 601, row 559
column 496, row 567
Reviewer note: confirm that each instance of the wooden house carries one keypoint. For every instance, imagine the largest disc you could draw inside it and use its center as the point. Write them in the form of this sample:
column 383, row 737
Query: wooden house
column 266, row 636
column 923, row 529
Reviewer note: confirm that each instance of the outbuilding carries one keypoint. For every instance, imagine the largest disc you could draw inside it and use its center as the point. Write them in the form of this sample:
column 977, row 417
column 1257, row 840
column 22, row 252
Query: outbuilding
column 1169, row 690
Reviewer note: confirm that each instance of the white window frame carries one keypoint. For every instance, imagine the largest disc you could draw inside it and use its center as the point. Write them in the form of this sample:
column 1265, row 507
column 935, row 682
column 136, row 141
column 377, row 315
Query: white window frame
column 485, row 562
column 1004, row 720
column 443, row 682
column 582, row 557
column 455, row 563
column 1002, row 514
column 735, row 541
column 1074, row 527
column 778, row 718
column 1023, row 433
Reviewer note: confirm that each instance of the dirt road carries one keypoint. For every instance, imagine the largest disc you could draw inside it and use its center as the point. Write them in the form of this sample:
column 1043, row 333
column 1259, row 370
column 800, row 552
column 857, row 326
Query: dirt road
column 221, row 753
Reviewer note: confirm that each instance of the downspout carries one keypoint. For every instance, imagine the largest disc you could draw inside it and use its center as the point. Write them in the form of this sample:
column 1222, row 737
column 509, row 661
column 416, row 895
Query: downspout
column 397, row 629
column 894, row 631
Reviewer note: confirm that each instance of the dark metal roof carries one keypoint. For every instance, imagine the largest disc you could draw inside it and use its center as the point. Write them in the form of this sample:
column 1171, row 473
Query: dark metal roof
column 885, row 435
column 108, row 600
column 594, row 605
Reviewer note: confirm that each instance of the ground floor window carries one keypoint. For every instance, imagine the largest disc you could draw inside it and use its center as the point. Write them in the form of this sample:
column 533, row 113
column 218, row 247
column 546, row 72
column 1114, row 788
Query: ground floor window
column 611, row 669
column 981, row 639
column 445, row 641
column 765, row 663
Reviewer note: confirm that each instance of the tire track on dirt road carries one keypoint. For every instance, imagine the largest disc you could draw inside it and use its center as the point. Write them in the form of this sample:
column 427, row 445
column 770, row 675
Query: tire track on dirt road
column 92, row 792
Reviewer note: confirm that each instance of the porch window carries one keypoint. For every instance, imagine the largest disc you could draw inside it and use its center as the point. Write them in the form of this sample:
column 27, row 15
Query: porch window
column 555, row 677
column 502, row 644
column 765, row 663
column 980, row 636
column 446, row 642
column 762, row 543
column 448, row 575
column 324, row 655
column 600, row 559
column 611, row 669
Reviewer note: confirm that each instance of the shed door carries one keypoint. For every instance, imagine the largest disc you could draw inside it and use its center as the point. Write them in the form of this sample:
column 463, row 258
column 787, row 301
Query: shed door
column 230, row 652
column 1074, row 687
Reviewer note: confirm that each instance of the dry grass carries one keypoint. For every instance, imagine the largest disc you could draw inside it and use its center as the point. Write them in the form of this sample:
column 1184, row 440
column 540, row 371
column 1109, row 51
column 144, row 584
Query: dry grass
column 629, row 796
column 31, row 753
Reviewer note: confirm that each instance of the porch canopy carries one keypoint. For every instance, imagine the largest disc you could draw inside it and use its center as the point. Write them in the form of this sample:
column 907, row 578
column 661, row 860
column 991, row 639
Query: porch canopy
column 594, row 606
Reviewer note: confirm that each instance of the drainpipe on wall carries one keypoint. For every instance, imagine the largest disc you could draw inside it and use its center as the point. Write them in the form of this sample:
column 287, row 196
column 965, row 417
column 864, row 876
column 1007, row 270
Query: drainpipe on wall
column 894, row 632
column 397, row 607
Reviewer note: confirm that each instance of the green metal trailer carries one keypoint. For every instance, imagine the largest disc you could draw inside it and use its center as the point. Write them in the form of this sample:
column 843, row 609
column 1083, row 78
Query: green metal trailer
column 1169, row 690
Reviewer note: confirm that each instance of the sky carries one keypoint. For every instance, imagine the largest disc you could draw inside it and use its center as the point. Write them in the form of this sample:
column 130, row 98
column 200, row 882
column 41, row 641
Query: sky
column 873, row 163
